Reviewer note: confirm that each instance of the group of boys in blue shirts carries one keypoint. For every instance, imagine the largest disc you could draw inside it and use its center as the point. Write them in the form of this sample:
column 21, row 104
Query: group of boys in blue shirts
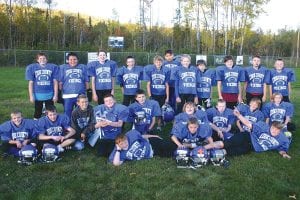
column 183, row 86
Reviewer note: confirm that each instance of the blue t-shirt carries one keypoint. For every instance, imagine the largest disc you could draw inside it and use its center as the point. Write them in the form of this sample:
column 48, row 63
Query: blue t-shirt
column 256, row 78
column 56, row 128
column 182, row 132
column 26, row 130
column 157, row 78
column 185, row 80
column 278, row 113
column 253, row 117
column 230, row 78
column 221, row 120
column 130, row 79
column 173, row 65
column 205, row 81
column 184, row 117
column 42, row 77
column 262, row 140
column 138, row 148
column 146, row 111
column 73, row 79
column 114, row 114
column 280, row 80
column 103, row 73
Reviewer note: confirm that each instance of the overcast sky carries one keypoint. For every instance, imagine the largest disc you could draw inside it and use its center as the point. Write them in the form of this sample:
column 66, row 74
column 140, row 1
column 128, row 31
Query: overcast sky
column 279, row 13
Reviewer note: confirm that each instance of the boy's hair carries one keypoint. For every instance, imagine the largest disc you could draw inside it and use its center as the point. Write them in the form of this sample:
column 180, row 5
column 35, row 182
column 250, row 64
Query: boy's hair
column 189, row 103
column 185, row 56
column 139, row 91
column 201, row 62
column 278, row 125
column 158, row 57
column 108, row 95
column 256, row 56
column 193, row 120
column 15, row 112
column 279, row 59
column 81, row 96
column 102, row 50
column 129, row 57
column 226, row 58
column 256, row 100
column 40, row 54
column 221, row 101
column 51, row 108
column 120, row 138
column 169, row 51
column 276, row 94
column 72, row 54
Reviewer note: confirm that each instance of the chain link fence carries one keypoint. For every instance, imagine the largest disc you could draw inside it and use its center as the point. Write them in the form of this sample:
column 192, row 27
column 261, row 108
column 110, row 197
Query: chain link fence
column 21, row 58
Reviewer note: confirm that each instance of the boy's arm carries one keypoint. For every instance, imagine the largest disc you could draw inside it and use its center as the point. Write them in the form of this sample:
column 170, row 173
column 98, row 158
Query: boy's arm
column 264, row 97
column 55, row 87
column 15, row 142
column 30, row 91
column 167, row 92
column 271, row 92
column 148, row 89
column 240, row 96
column 238, row 124
column 219, row 87
column 95, row 97
column 113, row 85
column 240, row 117
column 152, row 123
column 176, row 141
column 117, row 161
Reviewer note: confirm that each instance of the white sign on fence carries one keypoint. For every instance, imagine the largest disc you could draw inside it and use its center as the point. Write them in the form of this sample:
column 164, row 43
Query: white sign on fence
column 201, row 57
column 239, row 60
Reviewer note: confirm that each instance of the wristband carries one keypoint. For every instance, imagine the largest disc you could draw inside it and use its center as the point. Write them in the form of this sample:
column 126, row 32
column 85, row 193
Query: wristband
column 118, row 150
column 193, row 145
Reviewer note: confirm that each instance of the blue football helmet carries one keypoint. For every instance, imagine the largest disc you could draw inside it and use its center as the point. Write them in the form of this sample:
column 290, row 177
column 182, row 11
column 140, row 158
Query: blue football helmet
column 140, row 117
column 199, row 156
column 217, row 157
column 49, row 153
column 168, row 113
column 27, row 155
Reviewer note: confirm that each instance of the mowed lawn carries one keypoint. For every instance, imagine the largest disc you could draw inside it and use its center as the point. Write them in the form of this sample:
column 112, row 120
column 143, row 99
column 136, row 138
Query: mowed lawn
column 83, row 175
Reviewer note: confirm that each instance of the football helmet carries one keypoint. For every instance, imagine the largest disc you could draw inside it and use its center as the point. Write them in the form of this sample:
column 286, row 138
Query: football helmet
column 199, row 156
column 50, row 153
column 27, row 155
column 182, row 157
column 140, row 117
column 217, row 157
column 168, row 113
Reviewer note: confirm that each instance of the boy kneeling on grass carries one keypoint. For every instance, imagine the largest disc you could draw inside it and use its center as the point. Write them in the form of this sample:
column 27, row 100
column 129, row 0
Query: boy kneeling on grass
column 134, row 146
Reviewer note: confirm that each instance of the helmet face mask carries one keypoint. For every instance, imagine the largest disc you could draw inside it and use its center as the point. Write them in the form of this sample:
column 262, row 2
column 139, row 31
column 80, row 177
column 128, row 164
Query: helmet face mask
column 217, row 157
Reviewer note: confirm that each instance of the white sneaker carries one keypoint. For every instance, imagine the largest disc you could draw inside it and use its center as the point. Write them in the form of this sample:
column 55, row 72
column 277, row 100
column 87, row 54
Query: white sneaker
column 60, row 149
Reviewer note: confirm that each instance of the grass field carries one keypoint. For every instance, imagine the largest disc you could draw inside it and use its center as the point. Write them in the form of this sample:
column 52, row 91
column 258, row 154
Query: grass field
column 83, row 175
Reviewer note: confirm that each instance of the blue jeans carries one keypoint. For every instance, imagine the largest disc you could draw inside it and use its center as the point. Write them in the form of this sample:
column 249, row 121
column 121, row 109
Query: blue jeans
column 69, row 104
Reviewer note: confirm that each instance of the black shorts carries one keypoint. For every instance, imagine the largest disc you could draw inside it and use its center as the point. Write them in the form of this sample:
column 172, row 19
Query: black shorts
column 101, row 94
column 161, row 99
column 238, row 144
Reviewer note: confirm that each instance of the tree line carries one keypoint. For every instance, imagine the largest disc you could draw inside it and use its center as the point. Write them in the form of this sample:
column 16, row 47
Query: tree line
column 204, row 27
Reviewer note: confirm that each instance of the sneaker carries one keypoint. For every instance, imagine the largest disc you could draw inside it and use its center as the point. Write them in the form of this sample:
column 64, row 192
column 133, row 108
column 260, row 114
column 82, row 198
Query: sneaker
column 60, row 149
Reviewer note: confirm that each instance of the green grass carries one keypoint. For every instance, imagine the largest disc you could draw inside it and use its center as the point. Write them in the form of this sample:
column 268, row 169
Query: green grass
column 83, row 175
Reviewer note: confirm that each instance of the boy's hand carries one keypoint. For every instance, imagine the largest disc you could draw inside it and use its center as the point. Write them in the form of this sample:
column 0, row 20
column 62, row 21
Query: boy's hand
column 95, row 98
column 19, row 144
column 285, row 155
column 82, row 137
column 178, row 100
column 236, row 112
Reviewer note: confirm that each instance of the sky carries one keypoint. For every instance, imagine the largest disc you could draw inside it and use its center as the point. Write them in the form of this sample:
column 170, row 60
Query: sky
column 279, row 14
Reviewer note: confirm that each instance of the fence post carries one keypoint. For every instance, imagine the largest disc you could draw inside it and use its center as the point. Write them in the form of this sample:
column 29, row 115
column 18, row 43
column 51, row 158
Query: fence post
column 15, row 57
